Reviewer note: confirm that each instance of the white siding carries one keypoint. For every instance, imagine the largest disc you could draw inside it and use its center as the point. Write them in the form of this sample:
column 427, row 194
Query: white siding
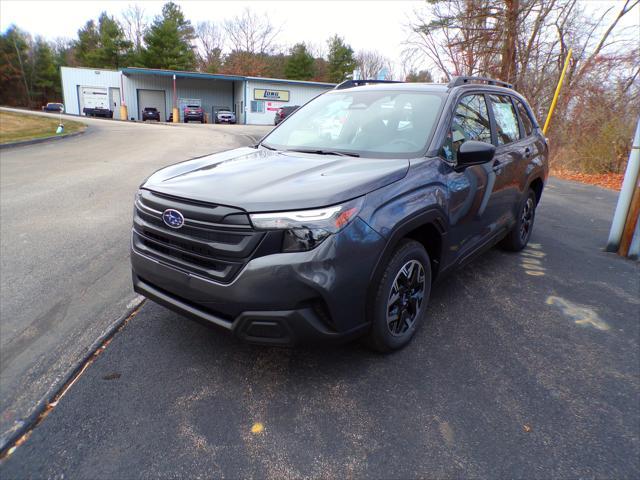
column 72, row 78
column 298, row 95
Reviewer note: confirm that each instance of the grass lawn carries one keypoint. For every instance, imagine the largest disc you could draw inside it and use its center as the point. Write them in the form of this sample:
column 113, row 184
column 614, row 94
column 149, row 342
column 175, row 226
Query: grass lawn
column 22, row 126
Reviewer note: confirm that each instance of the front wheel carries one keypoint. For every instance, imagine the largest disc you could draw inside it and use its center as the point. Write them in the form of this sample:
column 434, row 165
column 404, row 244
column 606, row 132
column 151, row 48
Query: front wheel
column 520, row 234
column 401, row 297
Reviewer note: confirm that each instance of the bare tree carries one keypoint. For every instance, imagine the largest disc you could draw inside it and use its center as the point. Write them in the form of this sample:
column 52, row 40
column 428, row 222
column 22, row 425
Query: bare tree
column 135, row 23
column 210, row 42
column 371, row 63
column 251, row 33
column 526, row 43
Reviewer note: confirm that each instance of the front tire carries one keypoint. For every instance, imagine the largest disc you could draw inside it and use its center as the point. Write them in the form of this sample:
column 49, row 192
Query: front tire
column 401, row 297
column 520, row 234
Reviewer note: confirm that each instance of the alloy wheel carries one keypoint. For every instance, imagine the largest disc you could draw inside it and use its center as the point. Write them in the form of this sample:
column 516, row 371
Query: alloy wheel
column 526, row 220
column 406, row 298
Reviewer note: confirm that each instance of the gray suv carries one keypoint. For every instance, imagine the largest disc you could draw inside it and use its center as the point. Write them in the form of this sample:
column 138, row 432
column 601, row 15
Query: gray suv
column 338, row 222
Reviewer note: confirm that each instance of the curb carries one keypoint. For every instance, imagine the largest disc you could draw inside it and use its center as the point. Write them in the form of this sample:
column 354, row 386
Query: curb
column 41, row 140
column 30, row 422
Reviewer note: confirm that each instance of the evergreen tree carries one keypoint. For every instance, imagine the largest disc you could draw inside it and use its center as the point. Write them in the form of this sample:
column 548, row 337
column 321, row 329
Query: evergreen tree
column 300, row 64
column 14, row 67
column 87, row 44
column 45, row 80
column 423, row 76
column 341, row 61
column 113, row 46
column 103, row 45
column 169, row 41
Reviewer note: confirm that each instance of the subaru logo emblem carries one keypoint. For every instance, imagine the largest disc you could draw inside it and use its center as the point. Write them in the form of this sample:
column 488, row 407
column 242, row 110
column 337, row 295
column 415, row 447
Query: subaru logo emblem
column 173, row 218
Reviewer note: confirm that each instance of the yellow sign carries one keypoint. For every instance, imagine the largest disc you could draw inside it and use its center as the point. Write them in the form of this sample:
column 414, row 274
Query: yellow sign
column 273, row 95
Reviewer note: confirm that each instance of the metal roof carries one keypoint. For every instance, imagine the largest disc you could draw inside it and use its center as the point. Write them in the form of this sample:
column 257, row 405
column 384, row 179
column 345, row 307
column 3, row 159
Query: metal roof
column 179, row 74
column 216, row 76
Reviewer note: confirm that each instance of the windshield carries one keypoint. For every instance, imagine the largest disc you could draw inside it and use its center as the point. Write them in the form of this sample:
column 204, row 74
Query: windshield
column 373, row 123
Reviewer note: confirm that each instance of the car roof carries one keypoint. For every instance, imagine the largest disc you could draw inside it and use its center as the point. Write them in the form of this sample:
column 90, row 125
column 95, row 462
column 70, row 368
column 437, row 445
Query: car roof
column 430, row 87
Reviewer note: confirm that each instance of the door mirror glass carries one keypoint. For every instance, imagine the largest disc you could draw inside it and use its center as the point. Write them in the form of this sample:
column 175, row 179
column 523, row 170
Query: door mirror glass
column 473, row 152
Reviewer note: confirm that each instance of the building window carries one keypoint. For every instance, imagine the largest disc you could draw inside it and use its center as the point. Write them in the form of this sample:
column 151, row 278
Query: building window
column 257, row 106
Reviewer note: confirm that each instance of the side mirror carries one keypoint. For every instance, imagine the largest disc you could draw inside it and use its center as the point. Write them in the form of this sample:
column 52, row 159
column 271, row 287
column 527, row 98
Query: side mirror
column 473, row 152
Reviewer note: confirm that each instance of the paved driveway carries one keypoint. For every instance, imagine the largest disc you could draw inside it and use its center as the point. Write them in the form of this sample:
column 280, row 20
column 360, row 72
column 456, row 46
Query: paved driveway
column 527, row 368
column 66, row 214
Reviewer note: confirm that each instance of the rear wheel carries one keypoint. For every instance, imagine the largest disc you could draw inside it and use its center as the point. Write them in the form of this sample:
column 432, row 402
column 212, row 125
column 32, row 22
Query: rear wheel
column 401, row 297
column 520, row 234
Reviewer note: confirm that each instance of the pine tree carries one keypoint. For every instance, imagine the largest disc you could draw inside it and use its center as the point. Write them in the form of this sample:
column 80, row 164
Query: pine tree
column 341, row 61
column 113, row 46
column 300, row 65
column 103, row 45
column 14, row 66
column 45, row 80
column 87, row 44
column 169, row 41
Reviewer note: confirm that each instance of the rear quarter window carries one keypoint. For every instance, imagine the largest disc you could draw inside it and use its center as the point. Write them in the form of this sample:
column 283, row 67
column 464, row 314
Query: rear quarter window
column 507, row 128
column 525, row 119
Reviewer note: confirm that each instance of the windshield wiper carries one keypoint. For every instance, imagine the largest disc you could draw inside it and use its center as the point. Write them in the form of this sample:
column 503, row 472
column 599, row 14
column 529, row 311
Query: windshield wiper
column 324, row 152
column 266, row 146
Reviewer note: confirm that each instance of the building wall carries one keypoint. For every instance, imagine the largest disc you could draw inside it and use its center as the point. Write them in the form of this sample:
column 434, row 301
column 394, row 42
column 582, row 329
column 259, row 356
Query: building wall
column 298, row 95
column 72, row 78
column 211, row 93
column 237, row 95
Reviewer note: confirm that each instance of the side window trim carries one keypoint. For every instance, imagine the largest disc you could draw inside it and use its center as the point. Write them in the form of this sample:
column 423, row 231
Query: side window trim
column 523, row 132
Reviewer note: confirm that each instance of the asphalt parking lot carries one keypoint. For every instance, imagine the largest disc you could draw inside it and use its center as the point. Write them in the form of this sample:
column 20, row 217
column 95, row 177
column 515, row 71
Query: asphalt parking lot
column 64, row 245
column 528, row 367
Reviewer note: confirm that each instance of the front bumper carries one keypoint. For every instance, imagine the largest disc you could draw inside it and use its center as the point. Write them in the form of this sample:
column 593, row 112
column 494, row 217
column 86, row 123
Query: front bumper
column 278, row 299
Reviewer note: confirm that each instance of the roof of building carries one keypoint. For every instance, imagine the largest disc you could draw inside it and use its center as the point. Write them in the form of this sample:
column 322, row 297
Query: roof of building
column 216, row 76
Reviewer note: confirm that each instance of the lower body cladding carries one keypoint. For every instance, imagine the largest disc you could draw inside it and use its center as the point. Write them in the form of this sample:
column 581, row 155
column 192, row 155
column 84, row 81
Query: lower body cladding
column 278, row 299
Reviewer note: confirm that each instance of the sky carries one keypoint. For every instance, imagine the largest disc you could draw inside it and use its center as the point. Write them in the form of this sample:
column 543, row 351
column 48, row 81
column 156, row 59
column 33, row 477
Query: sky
column 365, row 24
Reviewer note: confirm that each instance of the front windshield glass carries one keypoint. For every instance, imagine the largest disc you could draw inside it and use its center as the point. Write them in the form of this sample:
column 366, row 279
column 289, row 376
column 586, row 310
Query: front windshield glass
column 374, row 123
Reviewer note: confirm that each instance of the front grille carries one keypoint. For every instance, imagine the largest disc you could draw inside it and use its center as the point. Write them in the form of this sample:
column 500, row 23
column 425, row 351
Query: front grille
column 215, row 241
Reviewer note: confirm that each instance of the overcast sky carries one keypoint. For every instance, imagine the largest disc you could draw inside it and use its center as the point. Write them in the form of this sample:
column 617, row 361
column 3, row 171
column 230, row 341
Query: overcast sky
column 376, row 24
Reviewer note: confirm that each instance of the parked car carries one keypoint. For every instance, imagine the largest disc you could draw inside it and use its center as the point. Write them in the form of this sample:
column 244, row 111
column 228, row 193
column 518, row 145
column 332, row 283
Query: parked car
column 224, row 116
column 53, row 107
column 284, row 112
column 333, row 233
column 150, row 113
column 97, row 112
column 193, row 112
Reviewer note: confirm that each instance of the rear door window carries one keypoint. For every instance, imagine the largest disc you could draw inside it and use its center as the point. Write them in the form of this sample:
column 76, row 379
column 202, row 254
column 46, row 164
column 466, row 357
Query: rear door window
column 507, row 129
column 525, row 119
column 470, row 122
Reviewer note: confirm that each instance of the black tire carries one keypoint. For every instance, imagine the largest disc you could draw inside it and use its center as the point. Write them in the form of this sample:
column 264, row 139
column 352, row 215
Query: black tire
column 411, row 297
column 186, row 121
column 520, row 234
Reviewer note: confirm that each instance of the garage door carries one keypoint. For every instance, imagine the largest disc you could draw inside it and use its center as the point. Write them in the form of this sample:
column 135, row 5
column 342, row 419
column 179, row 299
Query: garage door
column 152, row 98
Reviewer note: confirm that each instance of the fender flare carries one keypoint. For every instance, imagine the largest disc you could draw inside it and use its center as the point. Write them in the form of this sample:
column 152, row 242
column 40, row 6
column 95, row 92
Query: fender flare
column 431, row 215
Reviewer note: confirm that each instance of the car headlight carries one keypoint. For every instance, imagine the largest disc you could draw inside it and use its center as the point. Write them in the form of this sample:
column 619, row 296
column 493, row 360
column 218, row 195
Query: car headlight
column 306, row 229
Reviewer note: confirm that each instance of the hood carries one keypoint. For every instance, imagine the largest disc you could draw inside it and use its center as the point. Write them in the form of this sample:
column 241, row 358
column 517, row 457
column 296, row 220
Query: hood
column 260, row 180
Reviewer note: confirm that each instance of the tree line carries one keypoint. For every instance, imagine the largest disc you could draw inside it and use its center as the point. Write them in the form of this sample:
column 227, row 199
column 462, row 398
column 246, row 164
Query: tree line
column 243, row 45
column 526, row 42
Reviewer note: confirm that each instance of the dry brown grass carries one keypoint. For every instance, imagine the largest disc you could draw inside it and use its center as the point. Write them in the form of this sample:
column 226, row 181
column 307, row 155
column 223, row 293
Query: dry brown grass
column 15, row 127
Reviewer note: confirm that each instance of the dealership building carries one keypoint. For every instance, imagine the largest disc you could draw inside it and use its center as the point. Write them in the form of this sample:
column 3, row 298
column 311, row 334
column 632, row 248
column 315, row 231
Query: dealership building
column 254, row 100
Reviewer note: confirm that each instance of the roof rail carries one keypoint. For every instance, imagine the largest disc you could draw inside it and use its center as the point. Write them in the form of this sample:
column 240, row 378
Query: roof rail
column 463, row 80
column 358, row 83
